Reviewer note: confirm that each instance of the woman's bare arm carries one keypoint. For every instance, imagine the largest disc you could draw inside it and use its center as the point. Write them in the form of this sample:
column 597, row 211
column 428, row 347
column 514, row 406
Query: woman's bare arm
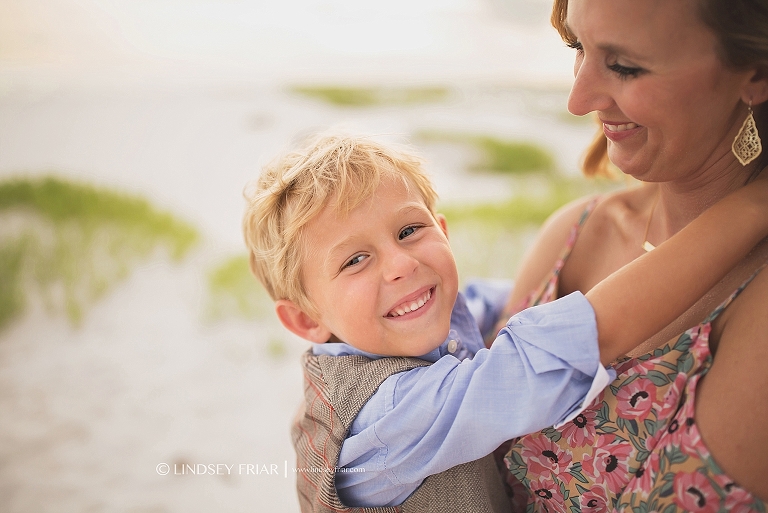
column 647, row 294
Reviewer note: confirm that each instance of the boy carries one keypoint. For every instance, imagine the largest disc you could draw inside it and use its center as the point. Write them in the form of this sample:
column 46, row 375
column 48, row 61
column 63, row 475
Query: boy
column 345, row 239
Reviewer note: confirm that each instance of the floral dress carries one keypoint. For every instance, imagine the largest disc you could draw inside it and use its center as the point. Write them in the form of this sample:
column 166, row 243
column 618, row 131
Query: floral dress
column 637, row 447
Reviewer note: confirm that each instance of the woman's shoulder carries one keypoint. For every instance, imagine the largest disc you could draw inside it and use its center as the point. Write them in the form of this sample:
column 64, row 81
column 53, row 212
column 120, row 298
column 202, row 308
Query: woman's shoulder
column 618, row 213
column 553, row 238
column 602, row 225
column 611, row 237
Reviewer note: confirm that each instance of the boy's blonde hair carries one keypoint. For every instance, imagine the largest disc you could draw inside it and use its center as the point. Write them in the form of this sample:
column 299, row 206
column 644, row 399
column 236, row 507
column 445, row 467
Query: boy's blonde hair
column 332, row 169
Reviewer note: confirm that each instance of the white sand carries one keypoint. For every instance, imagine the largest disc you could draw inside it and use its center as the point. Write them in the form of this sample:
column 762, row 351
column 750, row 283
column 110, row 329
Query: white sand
column 87, row 413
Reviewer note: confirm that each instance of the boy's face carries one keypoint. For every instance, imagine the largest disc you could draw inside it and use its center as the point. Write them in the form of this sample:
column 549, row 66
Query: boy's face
column 383, row 279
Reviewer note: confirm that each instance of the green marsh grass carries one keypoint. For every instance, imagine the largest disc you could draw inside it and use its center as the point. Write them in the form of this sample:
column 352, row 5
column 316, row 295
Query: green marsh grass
column 490, row 239
column 235, row 292
column 342, row 96
column 72, row 242
column 496, row 154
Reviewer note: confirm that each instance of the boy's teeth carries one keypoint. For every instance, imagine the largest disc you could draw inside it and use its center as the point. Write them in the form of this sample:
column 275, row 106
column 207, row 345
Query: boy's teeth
column 404, row 309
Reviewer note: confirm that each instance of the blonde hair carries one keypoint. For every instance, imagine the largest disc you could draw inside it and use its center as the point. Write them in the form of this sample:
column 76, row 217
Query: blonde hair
column 334, row 170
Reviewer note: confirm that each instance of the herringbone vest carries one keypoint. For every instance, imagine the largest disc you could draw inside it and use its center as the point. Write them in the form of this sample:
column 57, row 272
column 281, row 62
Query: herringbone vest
column 335, row 389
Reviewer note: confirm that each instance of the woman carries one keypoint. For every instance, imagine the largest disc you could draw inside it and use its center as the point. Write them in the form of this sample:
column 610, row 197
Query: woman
column 685, row 425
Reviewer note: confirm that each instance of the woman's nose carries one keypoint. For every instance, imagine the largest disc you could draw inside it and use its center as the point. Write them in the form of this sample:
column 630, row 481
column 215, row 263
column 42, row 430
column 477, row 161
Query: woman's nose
column 589, row 92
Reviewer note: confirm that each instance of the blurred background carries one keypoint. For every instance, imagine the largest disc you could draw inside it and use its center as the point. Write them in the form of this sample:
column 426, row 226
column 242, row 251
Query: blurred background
column 134, row 345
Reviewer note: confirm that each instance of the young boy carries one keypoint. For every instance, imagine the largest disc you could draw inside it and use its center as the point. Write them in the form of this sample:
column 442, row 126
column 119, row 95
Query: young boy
column 403, row 404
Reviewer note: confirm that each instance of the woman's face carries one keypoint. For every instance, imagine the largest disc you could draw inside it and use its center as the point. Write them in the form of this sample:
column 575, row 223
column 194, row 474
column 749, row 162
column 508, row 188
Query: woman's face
column 649, row 69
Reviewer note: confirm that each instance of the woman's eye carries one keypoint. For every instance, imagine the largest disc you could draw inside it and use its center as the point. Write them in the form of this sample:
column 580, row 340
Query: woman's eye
column 624, row 72
column 576, row 46
column 355, row 260
column 407, row 232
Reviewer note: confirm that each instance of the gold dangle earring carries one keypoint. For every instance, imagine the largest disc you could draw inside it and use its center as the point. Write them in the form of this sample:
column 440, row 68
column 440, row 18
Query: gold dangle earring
column 746, row 146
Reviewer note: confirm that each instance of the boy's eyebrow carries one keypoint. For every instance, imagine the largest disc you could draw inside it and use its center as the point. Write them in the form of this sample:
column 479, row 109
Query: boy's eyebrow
column 338, row 248
column 341, row 246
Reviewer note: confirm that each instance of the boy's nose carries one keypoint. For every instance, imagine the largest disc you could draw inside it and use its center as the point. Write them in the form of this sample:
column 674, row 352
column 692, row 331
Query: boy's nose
column 399, row 264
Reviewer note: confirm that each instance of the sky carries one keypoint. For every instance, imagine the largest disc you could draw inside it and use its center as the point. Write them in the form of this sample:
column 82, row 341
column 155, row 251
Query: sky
column 127, row 41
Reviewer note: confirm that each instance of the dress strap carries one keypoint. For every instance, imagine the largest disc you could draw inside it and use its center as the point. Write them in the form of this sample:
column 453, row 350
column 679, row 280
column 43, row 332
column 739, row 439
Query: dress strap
column 547, row 291
column 575, row 230
column 711, row 317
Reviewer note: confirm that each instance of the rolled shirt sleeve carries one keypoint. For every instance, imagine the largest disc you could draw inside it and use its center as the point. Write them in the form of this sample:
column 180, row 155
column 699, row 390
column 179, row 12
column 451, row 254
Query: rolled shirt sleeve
column 542, row 369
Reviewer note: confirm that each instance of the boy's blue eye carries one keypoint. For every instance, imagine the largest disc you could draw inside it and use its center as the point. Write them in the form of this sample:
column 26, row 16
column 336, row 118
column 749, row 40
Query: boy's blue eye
column 407, row 232
column 355, row 260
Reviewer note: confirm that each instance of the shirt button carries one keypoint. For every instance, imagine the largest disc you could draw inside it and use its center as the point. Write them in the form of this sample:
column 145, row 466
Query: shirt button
column 453, row 345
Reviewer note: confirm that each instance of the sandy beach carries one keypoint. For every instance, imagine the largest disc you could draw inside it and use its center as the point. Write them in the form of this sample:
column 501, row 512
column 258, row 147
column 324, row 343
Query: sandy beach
column 149, row 404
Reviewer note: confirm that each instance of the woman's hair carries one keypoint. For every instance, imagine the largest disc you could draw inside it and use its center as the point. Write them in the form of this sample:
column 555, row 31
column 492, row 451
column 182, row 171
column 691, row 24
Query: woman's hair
column 330, row 170
column 741, row 27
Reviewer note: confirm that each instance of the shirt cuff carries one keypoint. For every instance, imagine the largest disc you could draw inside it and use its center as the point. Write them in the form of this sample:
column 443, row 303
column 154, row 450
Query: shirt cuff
column 602, row 379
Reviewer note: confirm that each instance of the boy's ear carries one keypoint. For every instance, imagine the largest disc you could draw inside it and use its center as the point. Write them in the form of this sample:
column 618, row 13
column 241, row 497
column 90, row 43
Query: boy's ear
column 443, row 223
column 298, row 322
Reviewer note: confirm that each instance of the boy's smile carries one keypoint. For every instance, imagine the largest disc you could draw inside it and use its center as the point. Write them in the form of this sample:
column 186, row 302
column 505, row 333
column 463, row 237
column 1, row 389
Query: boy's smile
column 383, row 278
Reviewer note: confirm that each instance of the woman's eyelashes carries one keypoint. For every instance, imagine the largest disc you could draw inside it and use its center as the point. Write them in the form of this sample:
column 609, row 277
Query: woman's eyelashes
column 623, row 72
column 576, row 46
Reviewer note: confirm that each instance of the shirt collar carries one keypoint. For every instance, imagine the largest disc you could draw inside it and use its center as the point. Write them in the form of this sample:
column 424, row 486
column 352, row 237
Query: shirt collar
column 463, row 339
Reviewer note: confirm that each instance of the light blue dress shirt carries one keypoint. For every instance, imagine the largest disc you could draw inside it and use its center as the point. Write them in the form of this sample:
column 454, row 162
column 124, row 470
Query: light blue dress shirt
column 542, row 369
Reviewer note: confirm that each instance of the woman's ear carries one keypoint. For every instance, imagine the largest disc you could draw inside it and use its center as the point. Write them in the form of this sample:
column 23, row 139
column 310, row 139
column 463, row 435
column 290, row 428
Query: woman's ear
column 440, row 218
column 756, row 89
column 297, row 321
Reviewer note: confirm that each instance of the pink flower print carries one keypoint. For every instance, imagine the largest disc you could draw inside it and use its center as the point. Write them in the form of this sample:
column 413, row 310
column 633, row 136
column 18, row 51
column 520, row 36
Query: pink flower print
column 594, row 500
column 625, row 366
column 737, row 499
column 544, row 456
column 700, row 341
column 645, row 476
column 636, row 366
column 694, row 492
column 581, row 430
column 635, row 400
column 671, row 399
column 547, row 493
column 690, row 438
column 609, row 463
column 683, row 432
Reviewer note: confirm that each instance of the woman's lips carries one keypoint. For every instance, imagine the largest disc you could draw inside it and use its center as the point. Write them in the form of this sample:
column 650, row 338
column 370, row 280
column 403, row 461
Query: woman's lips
column 618, row 131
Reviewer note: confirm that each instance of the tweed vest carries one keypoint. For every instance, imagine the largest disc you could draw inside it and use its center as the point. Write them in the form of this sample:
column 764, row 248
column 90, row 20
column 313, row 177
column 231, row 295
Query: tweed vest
column 335, row 389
